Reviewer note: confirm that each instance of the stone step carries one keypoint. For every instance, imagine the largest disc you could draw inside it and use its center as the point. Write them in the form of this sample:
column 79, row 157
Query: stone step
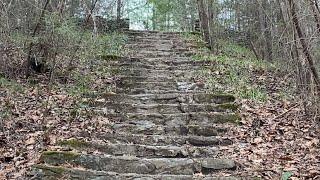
column 189, row 67
column 158, row 47
column 123, row 164
column 152, row 72
column 126, row 86
column 45, row 172
column 178, row 130
column 152, row 32
column 123, row 108
column 170, row 98
column 138, row 150
column 153, row 53
column 142, row 42
column 148, row 78
column 158, row 140
column 195, row 118
column 174, row 61
column 139, row 91
column 155, row 34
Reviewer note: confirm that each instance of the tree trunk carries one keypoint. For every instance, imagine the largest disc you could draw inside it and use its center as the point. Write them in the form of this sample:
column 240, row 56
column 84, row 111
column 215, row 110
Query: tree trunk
column 210, row 23
column 119, row 8
column 203, row 20
column 304, row 44
column 315, row 14
column 262, row 30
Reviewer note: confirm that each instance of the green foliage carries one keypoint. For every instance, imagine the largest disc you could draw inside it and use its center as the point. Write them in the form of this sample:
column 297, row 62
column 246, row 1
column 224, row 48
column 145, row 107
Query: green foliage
column 109, row 57
column 231, row 70
column 4, row 115
column 229, row 106
column 195, row 38
column 286, row 175
column 172, row 15
column 11, row 84
column 82, row 85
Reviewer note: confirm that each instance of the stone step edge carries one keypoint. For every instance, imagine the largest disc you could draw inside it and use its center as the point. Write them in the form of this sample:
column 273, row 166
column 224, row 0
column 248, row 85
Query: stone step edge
column 41, row 171
column 215, row 95
column 129, row 164
column 159, row 140
column 228, row 105
column 220, row 118
column 152, row 129
column 139, row 150
column 203, row 98
column 224, row 107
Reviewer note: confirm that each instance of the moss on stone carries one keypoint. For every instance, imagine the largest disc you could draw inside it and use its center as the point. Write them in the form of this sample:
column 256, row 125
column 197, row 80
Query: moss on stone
column 59, row 156
column 230, row 106
column 68, row 153
column 73, row 143
column 196, row 33
column 109, row 94
column 229, row 118
column 225, row 96
column 235, row 118
column 55, row 169
column 114, row 71
column 109, row 57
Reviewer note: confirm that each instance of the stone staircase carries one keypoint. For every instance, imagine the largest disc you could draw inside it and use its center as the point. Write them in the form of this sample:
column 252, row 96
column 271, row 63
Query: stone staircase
column 164, row 124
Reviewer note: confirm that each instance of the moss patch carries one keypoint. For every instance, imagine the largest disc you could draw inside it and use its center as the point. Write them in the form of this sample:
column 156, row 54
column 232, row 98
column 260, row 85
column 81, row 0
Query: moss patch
column 227, row 97
column 110, row 57
column 230, row 106
column 196, row 33
column 55, row 169
column 65, row 153
column 229, row 118
column 59, row 157
column 73, row 143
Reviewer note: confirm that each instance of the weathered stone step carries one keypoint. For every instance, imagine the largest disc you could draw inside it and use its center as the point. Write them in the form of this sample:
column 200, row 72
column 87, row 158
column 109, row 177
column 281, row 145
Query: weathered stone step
column 158, row 140
column 129, row 86
column 138, row 150
column 113, row 107
column 158, row 47
column 159, row 50
column 148, row 32
column 152, row 72
column 154, row 40
column 170, row 98
column 139, row 91
column 190, row 67
column 153, row 54
column 154, row 36
column 195, row 118
column 45, row 172
column 122, row 164
column 148, row 78
column 173, row 61
column 152, row 129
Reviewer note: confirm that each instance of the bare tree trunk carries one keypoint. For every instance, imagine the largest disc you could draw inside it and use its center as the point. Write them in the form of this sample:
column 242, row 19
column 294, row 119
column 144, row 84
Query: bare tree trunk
column 268, row 34
column 304, row 44
column 317, row 5
column 262, row 48
column 203, row 20
column 210, row 22
column 29, row 60
column 119, row 8
column 86, row 21
column 153, row 18
column 315, row 14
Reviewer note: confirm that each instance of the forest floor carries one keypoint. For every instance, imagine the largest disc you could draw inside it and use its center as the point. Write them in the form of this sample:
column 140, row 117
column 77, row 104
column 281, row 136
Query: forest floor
column 273, row 140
